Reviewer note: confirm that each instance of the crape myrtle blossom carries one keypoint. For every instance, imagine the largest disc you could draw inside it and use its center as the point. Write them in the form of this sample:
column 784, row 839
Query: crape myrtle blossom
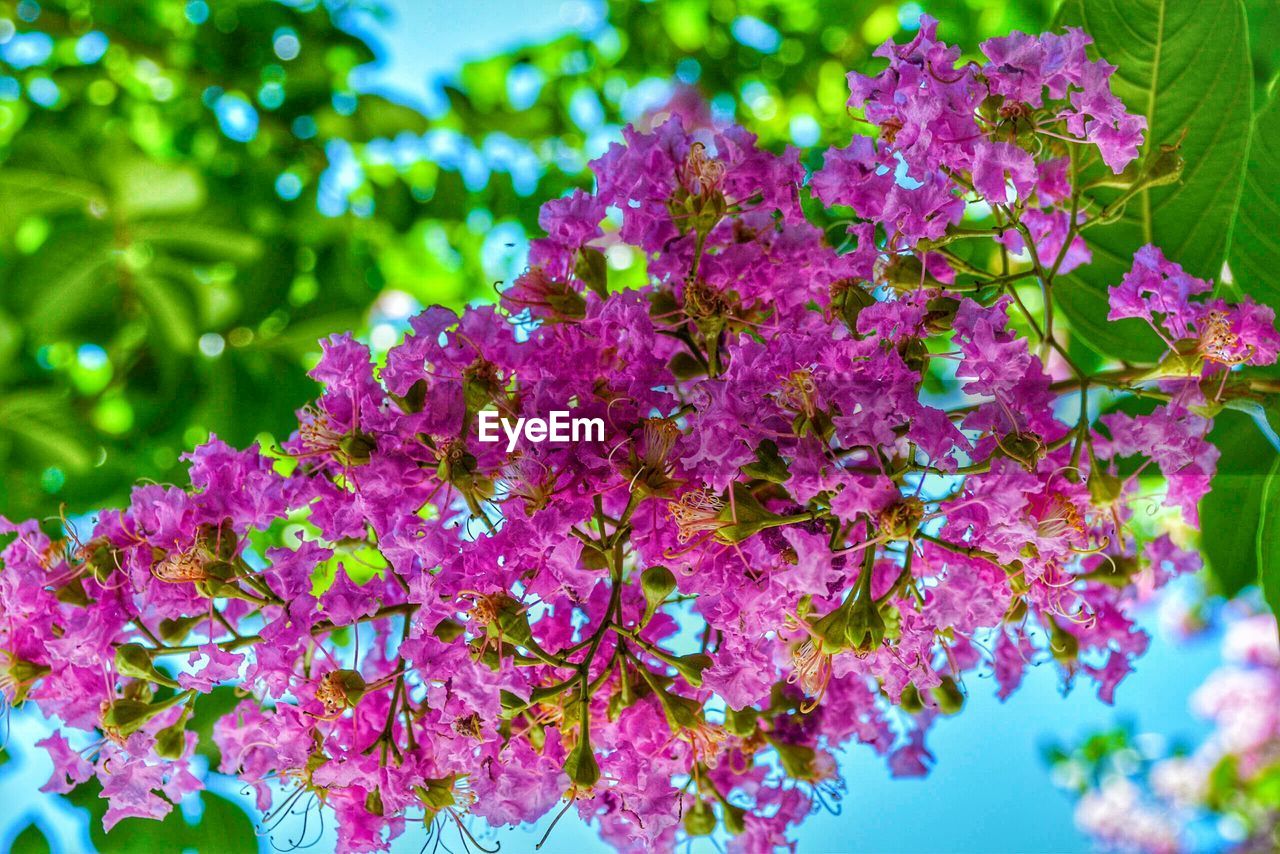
column 1220, row 795
column 782, row 544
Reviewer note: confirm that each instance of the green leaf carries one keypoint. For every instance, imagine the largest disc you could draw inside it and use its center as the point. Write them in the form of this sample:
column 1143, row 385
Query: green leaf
column 170, row 315
column 145, row 187
column 1185, row 66
column 657, row 582
column 31, row 841
column 1255, row 244
column 593, row 269
column 37, row 191
column 132, row 659
column 223, row 828
column 66, row 281
column 201, row 239
column 1231, row 514
column 45, row 427
column 1268, row 539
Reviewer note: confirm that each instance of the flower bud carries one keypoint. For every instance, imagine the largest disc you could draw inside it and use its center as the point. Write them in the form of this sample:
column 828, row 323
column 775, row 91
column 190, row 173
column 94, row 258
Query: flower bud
column 437, row 794
column 700, row 819
column 134, row 660
column 915, row 354
column 219, row 541
column 123, row 717
column 941, row 313
column 414, row 399
column 1017, row 610
column 769, row 464
column 72, row 593
column 866, row 625
column 171, row 742
column 1116, row 571
column 903, row 273
column 1104, row 487
column 448, row 630
column 581, row 765
column 690, row 667
column 797, row 760
column 18, row 676
column 658, row 582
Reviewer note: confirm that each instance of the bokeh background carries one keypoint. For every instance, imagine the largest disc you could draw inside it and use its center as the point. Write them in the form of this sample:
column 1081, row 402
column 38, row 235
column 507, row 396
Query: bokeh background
column 192, row 192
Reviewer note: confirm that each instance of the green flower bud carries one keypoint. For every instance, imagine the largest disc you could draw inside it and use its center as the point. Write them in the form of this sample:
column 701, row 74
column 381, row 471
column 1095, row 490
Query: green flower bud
column 20, row 675
column 796, row 759
column 414, row 399
column 658, row 583
column 134, row 660
column 700, row 819
column 1025, row 448
column 581, row 765
column 171, row 742
column 448, row 630
column 691, row 666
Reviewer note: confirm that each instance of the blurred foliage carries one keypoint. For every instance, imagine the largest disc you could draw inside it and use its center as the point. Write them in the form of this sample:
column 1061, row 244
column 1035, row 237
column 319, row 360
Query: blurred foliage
column 166, row 261
column 222, row 827
column 778, row 66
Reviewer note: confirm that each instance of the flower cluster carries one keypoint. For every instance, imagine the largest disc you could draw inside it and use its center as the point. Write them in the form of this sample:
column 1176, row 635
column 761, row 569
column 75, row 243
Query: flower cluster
column 1224, row 793
column 836, row 483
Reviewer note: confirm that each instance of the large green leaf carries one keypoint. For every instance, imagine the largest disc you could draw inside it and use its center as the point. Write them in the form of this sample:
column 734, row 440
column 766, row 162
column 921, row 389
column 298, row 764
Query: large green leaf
column 1185, row 66
column 1268, row 542
column 1231, row 514
column 1255, row 243
column 223, row 828
column 200, row 239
